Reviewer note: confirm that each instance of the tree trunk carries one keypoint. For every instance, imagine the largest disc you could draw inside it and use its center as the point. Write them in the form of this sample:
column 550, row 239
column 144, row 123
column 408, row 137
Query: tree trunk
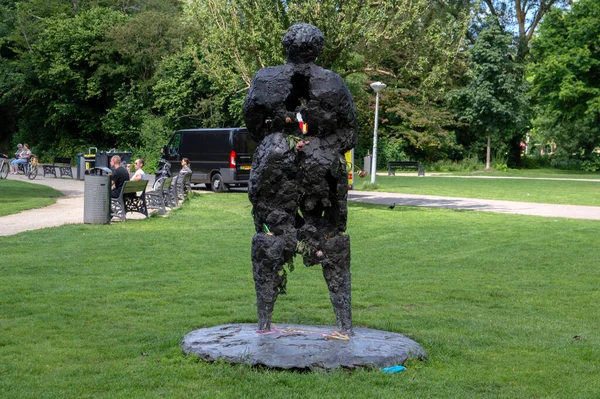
column 514, row 152
column 488, row 151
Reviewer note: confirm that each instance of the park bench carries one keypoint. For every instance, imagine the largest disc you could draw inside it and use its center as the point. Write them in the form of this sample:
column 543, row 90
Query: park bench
column 393, row 165
column 159, row 198
column 131, row 199
column 184, row 186
column 63, row 165
column 171, row 200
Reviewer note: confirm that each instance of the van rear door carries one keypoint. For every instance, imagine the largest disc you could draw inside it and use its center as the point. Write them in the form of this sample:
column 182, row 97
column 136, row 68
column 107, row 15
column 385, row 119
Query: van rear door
column 242, row 154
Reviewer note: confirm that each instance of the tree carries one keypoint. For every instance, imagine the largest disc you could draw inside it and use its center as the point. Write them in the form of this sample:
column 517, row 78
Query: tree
column 493, row 100
column 60, row 95
column 566, row 78
column 132, row 52
column 525, row 16
column 182, row 92
column 411, row 45
column 420, row 62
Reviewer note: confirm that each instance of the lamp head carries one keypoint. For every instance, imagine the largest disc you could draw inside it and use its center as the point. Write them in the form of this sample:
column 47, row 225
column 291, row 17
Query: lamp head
column 378, row 86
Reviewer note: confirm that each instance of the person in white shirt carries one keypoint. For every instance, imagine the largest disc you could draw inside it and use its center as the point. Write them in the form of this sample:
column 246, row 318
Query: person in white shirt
column 139, row 172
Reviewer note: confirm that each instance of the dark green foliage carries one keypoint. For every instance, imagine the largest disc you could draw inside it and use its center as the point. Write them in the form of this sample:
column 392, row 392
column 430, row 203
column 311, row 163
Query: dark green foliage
column 494, row 101
column 77, row 73
column 566, row 79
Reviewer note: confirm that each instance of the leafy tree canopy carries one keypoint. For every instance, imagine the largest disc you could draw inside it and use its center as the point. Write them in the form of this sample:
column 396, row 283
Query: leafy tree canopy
column 493, row 101
column 565, row 76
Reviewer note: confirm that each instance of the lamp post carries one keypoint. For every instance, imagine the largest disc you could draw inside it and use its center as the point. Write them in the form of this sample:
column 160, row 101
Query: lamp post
column 377, row 87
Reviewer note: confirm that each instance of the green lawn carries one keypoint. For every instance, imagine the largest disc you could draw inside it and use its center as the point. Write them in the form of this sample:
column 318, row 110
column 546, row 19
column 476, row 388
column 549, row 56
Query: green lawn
column 17, row 196
column 543, row 173
column 565, row 192
column 495, row 300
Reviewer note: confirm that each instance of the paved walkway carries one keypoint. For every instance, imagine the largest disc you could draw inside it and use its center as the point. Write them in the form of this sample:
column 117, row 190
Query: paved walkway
column 471, row 204
column 69, row 209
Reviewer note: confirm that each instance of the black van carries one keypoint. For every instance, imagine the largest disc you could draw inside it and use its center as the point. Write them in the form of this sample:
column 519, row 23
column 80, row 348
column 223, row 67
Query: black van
column 219, row 158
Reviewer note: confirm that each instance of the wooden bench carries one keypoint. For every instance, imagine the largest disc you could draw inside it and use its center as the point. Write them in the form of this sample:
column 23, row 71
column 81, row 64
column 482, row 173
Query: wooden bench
column 392, row 165
column 131, row 199
column 62, row 164
column 159, row 198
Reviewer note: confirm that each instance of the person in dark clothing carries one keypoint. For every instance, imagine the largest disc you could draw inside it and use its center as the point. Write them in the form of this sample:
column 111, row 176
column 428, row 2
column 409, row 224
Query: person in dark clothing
column 119, row 176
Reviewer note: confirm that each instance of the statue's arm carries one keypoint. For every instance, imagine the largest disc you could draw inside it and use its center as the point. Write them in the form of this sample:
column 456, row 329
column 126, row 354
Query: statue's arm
column 255, row 112
column 264, row 108
column 347, row 122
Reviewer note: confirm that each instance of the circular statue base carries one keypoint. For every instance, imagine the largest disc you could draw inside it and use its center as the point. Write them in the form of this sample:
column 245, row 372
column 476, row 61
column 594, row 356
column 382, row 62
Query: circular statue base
column 301, row 347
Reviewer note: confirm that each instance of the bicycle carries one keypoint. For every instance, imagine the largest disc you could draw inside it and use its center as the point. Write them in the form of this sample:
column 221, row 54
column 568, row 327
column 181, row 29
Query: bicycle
column 29, row 168
column 3, row 166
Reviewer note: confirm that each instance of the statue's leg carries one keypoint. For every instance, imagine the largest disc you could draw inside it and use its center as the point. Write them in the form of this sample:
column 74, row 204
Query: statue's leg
column 267, row 263
column 336, row 270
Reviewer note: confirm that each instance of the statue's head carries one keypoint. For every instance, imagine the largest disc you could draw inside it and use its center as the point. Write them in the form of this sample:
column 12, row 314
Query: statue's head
column 303, row 43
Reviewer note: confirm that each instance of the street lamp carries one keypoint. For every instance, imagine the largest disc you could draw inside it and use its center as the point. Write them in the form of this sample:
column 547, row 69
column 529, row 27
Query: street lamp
column 377, row 87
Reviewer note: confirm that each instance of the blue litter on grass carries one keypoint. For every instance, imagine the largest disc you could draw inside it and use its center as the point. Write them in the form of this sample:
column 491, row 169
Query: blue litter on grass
column 393, row 369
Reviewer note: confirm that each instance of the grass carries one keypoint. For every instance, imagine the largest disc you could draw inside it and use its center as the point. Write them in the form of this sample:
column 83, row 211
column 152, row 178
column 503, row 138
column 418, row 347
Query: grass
column 17, row 196
column 495, row 300
column 542, row 173
column 564, row 192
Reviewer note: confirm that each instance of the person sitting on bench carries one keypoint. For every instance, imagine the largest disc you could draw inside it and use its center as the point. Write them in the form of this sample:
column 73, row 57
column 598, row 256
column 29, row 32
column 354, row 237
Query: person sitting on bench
column 20, row 158
column 119, row 176
column 139, row 172
column 185, row 166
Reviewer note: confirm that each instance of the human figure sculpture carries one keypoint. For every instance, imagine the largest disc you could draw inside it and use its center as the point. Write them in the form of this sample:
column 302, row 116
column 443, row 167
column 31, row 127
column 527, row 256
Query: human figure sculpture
column 303, row 120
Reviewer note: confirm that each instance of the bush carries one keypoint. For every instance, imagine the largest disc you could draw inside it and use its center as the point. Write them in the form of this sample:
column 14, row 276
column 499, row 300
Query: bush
column 390, row 149
column 565, row 163
column 154, row 133
column 500, row 162
column 592, row 164
column 469, row 164
column 530, row 162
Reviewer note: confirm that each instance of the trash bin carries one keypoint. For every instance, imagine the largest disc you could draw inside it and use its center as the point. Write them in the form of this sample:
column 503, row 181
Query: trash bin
column 96, row 196
column 86, row 162
column 368, row 162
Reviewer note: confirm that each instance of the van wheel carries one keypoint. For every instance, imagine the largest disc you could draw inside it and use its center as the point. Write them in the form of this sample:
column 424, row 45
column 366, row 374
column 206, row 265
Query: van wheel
column 217, row 184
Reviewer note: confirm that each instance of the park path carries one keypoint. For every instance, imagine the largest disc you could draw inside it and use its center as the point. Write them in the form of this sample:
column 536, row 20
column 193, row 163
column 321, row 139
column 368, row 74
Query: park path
column 69, row 209
column 472, row 204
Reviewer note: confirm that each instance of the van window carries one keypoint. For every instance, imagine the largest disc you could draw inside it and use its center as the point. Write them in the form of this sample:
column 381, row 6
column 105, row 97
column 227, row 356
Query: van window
column 243, row 143
column 174, row 145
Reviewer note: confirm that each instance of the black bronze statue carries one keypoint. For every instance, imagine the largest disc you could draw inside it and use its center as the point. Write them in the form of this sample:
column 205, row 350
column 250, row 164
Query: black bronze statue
column 304, row 120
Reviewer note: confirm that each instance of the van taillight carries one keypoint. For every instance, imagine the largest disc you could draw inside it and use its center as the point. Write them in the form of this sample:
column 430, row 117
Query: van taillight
column 232, row 159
